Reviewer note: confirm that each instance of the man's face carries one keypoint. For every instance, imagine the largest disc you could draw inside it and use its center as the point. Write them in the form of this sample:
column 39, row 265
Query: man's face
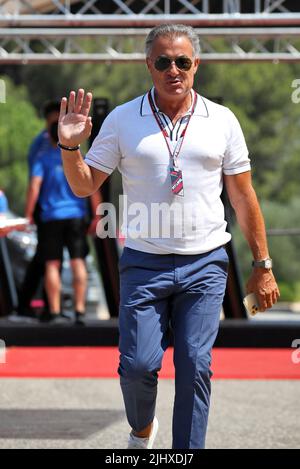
column 172, row 82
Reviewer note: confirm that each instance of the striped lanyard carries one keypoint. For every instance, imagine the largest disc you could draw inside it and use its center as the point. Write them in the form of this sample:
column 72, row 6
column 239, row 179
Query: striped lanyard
column 175, row 153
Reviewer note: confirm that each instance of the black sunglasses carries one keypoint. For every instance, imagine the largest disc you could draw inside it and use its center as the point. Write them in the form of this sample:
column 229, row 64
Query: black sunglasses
column 162, row 63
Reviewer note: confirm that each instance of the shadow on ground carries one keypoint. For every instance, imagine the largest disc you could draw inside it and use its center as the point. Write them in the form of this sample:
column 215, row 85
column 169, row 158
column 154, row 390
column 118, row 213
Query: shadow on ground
column 55, row 423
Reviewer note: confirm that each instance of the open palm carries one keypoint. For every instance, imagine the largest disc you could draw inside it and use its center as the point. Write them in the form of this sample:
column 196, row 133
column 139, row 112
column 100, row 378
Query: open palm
column 74, row 124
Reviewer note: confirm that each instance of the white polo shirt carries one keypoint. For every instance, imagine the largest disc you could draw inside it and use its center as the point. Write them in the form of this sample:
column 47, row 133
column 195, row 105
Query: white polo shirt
column 131, row 140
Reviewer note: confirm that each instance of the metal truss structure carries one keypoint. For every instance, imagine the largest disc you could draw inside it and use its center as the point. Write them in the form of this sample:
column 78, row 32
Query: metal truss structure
column 51, row 31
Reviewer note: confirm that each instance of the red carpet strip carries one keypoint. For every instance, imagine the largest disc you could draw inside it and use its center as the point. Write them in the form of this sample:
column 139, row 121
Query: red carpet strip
column 102, row 362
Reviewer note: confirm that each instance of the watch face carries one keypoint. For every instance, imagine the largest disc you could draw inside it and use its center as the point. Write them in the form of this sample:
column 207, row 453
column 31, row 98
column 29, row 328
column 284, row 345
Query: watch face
column 268, row 264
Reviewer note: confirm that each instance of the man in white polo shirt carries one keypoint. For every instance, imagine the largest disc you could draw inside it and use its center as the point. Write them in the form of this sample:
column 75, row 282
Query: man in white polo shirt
column 174, row 149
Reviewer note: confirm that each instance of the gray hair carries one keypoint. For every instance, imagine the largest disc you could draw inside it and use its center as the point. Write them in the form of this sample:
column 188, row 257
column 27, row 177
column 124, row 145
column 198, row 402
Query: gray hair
column 173, row 30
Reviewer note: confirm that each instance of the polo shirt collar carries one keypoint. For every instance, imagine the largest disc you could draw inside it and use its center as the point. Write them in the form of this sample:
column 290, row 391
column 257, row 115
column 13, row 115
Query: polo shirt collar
column 200, row 109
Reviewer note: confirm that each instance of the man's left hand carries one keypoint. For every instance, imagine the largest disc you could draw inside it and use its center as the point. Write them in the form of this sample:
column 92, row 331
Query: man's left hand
column 263, row 284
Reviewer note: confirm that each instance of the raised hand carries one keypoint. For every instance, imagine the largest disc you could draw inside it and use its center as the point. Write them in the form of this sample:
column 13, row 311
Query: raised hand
column 75, row 125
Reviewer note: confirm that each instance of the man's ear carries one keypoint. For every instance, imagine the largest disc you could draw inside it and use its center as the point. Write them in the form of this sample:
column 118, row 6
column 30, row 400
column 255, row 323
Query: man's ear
column 148, row 61
column 196, row 64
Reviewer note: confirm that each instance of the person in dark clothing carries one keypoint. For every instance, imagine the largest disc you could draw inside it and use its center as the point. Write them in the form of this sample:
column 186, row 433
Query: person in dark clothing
column 44, row 158
column 35, row 272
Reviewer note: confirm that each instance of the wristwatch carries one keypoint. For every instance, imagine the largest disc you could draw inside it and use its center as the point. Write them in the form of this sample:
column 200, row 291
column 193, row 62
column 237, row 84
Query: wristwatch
column 264, row 264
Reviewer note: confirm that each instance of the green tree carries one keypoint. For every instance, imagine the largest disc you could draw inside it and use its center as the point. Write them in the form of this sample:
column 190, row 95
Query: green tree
column 117, row 82
column 18, row 125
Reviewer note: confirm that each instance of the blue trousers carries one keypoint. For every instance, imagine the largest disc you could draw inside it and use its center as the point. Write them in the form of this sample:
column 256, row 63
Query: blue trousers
column 159, row 292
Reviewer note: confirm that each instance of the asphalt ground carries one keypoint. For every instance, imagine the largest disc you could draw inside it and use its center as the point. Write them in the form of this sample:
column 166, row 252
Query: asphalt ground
column 89, row 413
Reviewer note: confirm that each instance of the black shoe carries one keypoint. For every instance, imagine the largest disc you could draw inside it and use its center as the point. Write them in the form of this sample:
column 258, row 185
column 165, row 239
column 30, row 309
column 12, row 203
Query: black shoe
column 79, row 319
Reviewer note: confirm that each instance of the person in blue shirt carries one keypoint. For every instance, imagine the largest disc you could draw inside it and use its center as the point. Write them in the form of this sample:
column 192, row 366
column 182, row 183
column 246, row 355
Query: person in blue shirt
column 34, row 274
column 61, row 218
column 56, row 200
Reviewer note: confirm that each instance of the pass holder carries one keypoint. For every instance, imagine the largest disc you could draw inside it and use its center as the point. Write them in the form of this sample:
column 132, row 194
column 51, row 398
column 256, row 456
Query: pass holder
column 175, row 172
column 176, row 180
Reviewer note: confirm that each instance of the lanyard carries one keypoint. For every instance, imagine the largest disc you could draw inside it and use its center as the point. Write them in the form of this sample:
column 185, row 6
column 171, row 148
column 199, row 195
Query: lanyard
column 175, row 153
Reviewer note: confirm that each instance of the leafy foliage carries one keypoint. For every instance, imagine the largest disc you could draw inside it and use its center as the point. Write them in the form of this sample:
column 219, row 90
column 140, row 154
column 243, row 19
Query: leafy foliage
column 260, row 96
column 18, row 124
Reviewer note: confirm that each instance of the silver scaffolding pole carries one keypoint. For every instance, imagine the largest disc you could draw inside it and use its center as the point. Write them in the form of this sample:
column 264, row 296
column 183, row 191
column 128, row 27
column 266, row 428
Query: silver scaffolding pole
column 55, row 45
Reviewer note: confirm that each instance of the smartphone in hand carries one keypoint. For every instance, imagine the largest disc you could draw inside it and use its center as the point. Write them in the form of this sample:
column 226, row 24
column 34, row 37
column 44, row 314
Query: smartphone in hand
column 251, row 304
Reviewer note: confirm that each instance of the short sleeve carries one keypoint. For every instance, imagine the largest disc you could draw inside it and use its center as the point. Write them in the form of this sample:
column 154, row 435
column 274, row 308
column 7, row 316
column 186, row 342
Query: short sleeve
column 104, row 153
column 236, row 159
column 37, row 168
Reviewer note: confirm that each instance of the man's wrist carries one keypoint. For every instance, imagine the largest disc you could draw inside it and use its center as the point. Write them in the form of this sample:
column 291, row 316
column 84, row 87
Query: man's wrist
column 68, row 147
column 265, row 263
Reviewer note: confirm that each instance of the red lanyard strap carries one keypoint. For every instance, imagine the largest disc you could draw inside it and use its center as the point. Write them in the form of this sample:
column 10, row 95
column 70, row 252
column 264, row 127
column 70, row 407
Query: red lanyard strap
column 175, row 153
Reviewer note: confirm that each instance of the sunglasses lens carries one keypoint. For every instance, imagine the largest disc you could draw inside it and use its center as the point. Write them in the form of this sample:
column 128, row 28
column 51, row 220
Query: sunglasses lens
column 162, row 63
column 183, row 63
